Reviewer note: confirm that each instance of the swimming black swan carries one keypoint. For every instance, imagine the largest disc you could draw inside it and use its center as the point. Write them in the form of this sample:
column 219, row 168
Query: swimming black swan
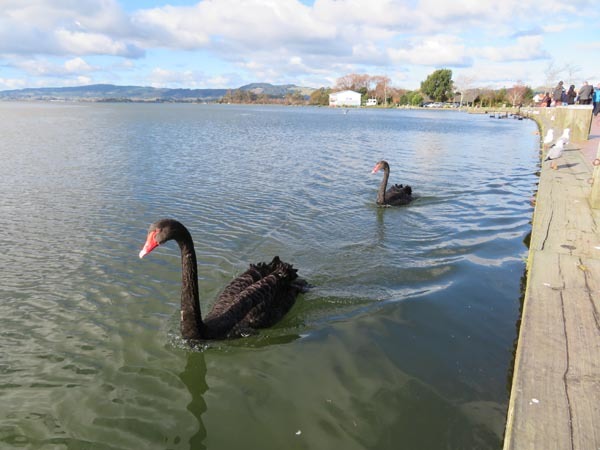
column 258, row 298
column 396, row 195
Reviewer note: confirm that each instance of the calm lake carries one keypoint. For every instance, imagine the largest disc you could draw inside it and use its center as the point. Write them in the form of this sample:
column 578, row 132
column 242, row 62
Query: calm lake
column 405, row 340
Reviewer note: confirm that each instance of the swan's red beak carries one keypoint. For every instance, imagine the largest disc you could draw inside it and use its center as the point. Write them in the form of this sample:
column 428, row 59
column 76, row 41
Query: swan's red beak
column 376, row 168
column 150, row 244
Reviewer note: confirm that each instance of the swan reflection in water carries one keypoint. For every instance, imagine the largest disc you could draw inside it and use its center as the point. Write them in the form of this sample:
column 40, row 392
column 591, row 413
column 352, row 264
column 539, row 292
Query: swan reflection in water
column 194, row 377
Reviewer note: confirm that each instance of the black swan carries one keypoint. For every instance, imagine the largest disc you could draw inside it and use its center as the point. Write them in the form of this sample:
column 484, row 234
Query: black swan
column 258, row 298
column 396, row 195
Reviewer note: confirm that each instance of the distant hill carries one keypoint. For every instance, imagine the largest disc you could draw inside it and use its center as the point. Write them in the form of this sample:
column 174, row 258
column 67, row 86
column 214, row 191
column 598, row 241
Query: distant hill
column 109, row 92
column 276, row 90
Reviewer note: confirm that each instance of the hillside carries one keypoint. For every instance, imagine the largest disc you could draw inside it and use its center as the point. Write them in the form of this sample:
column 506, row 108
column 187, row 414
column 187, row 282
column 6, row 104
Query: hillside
column 109, row 92
column 276, row 90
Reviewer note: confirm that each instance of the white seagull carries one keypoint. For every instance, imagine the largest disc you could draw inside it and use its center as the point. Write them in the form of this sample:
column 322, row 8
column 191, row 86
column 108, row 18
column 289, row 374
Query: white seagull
column 555, row 152
column 549, row 138
column 566, row 136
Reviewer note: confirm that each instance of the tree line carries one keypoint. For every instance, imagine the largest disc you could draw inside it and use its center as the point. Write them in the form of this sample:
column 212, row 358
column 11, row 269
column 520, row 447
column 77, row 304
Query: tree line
column 248, row 97
column 437, row 87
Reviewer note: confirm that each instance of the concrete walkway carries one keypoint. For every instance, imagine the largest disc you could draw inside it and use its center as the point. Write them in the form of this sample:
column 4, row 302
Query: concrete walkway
column 555, row 398
column 589, row 148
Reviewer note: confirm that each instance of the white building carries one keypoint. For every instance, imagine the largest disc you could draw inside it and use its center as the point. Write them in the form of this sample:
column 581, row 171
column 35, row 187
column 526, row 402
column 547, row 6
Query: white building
column 372, row 102
column 344, row 98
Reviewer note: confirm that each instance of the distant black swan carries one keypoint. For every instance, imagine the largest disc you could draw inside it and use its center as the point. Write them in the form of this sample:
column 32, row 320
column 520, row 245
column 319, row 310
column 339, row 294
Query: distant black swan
column 258, row 298
column 396, row 195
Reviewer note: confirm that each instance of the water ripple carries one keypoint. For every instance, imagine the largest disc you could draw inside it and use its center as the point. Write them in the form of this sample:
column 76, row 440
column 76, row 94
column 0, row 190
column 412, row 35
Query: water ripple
column 90, row 354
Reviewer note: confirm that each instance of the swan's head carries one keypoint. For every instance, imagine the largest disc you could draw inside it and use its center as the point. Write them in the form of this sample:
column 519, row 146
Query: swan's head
column 381, row 165
column 161, row 232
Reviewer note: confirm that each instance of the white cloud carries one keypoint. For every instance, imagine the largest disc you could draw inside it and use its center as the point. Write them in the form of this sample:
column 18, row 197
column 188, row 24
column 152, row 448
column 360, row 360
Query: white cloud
column 83, row 80
column 80, row 43
column 160, row 77
column 46, row 68
column 437, row 51
column 12, row 83
column 37, row 67
column 64, row 27
column 171, row 27
column 251, row 25
column 77, row 65
column 281, row 40
column 525, row 48
column 167, row 78
column 378, row 14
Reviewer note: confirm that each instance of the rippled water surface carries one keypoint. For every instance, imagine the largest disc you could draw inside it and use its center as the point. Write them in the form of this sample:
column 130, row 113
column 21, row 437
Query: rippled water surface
column 404, row 342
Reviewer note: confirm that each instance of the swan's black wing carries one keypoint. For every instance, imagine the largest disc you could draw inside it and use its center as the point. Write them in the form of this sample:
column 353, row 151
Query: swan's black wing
column 256, row 299
column 398, row 194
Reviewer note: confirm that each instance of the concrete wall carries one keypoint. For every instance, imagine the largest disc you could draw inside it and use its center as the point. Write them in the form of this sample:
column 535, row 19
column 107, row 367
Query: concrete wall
column 576, row 117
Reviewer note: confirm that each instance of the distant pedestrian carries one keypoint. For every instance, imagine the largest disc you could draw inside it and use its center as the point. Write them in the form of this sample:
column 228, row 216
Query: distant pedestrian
column 557, row 94
column 546, row 101
column 571, row 94
column 585, row 94
column 596, row 97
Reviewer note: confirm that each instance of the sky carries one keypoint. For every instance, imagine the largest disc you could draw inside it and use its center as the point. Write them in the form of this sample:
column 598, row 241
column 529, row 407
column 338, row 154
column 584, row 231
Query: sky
column 229, row 43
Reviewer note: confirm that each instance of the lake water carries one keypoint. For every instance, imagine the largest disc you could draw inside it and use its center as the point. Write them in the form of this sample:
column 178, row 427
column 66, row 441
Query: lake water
column 404, row 342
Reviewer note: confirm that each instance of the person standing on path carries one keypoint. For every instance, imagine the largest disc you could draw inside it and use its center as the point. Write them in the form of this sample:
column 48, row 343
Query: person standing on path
column 571, row 94
column 585, row 93
column 596, row 98
column 557, row 94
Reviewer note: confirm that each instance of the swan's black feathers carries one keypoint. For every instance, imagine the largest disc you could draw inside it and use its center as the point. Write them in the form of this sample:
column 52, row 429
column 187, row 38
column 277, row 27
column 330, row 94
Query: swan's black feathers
column 399, row 189
column 258, row 298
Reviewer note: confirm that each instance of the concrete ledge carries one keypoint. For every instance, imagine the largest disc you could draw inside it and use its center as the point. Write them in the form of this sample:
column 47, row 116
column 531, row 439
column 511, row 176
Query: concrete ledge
column 576, row 117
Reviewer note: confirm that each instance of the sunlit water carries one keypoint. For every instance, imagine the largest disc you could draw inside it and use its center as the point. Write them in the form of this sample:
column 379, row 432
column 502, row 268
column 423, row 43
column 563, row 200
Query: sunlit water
column 404, row 342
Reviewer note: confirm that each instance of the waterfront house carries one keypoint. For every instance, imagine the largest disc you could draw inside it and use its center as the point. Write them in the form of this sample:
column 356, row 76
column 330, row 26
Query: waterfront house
column 344, row 98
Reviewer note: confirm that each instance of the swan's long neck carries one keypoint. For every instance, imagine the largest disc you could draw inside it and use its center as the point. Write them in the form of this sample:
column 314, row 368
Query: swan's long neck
column 382, row 186
column 192, row 326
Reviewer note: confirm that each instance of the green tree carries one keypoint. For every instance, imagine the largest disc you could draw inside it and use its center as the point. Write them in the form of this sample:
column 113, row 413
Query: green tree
column 500, row 97
column 412, row 98
column 438, row 85
column 528, row 96
column 415, row 98
column 320, row 97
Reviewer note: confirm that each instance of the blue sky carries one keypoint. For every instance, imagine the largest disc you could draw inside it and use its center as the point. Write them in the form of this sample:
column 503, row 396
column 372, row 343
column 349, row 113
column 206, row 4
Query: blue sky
column 229, row 43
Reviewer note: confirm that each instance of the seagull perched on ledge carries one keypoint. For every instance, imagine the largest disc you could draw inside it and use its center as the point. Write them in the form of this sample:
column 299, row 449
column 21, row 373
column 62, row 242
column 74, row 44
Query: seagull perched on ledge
column 555, row 152
column 566, row 136
column 549, row 138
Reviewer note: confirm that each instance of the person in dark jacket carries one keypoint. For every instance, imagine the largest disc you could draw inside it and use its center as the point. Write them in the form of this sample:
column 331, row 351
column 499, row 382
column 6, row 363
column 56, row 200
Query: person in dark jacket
column 557, row 94
column 571, row 94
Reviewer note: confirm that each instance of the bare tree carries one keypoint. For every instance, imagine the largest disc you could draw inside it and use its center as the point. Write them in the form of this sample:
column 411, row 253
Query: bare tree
column 571, row 72
column 353, row 81
column 382, row 87
column 552, row 74
column 463, row 83
column 517, row 93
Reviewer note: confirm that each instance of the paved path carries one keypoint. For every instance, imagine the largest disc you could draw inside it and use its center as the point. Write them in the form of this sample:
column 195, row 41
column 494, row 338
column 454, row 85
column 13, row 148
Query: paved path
column 589, row 148
column 555, row 398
